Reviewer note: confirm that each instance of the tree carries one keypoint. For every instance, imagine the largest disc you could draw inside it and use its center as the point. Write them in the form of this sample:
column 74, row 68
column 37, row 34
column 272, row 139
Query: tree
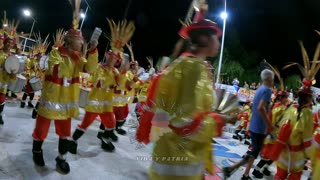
column 293, row 81
column 237, row 62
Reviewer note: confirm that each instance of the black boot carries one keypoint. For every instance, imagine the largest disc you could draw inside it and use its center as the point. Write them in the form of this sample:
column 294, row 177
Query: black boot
column 73, row 144
column 30, row 105
column 13, row 95
column 111, row 135
column 227, row 172
column 257, row 174
column 235, row 137
column 266, row 171
column 35, row 111
column 1, row 120
column 1, row 109
column 106, row 143
column 247, row 142
column 22, row 105
column 62, row 164
column 31, row 96
column 37, row 153
column 24, row 98
column 101, row 130
column 119, row 129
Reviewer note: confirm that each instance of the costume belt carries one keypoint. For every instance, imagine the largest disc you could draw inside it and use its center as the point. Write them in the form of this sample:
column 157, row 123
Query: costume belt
column 62, row 81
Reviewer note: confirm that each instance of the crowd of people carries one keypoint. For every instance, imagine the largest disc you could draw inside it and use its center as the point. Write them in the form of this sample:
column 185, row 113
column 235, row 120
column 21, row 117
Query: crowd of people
column 175, row 103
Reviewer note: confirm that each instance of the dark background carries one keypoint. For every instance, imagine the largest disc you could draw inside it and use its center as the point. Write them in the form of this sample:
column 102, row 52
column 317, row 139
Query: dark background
column 271, row 28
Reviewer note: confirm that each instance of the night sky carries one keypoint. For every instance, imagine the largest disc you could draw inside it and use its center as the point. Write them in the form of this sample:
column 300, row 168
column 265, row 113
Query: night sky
column 271, row 28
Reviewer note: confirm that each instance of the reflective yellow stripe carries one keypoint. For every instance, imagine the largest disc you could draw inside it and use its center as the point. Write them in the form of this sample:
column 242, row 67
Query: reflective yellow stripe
column 306, row 140
column 99, row 103
column 292, row 164
column 178, row 170
column 58, row 106
column 120, row 99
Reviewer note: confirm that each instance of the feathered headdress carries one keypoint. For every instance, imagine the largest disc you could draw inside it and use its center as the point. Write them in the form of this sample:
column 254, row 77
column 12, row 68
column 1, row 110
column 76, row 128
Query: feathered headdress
column 58, row 38
column 42, row 45
column 276, row 71
column 129, row 46
column 33, row 50
column 4, row 25
column 74, row 32
column 10, row 32
column 309, row 70
column 121, row 34
column 199, row 21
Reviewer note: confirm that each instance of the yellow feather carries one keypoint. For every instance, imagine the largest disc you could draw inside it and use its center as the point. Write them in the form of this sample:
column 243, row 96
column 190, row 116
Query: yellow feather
column 305, row 57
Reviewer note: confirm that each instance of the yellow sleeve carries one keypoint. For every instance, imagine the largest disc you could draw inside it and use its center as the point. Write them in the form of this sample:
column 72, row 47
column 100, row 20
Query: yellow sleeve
column 92, row 63
column 27, row 66
column 305, row 127
column 176, row 88
column 277, row 114
column 54, row 59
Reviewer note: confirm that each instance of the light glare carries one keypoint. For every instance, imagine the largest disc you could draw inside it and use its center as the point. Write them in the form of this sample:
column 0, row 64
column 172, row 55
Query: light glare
column 26, row 12
column 82, row 15
column 224, row 15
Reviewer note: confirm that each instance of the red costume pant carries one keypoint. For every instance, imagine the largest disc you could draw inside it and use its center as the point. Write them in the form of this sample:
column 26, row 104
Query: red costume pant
column 121, row 113
column 40, row 132
column 107, row 119
column 283, row 174
column 28, row 88
column 2, row 98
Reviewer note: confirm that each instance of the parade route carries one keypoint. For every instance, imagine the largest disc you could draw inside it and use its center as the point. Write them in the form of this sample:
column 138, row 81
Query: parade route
column 130, row 161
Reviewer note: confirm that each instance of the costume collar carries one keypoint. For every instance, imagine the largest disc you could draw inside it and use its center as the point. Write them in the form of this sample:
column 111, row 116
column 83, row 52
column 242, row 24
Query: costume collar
column 187, row 54
column 75, row 56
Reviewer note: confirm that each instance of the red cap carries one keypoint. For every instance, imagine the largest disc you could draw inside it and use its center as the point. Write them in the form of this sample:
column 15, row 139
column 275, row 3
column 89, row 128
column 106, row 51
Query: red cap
column 283, row 93
column 306, row 88
column 203, row 24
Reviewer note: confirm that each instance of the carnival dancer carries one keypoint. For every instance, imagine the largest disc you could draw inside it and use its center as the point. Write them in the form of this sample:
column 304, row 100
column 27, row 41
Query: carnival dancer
column 124, row 79
column 183, row 98
column 142, row 94
column 142, row 91
column 60, row 92
column 145, row 122
column 135, row 71
column 243, row 117
column 276, row 113
column 124, row 94
column 5, row 77
column 316, row 155
column 33, row 69
column 100, row 103
column 316, row 113
column 41, row 49
column 293, row 144
column 29, row 70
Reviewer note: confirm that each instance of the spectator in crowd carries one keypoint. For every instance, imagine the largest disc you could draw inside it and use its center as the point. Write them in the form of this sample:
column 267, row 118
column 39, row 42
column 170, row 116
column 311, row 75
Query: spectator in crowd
column 259, row 84
column 246, row 85
column 253, row 86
